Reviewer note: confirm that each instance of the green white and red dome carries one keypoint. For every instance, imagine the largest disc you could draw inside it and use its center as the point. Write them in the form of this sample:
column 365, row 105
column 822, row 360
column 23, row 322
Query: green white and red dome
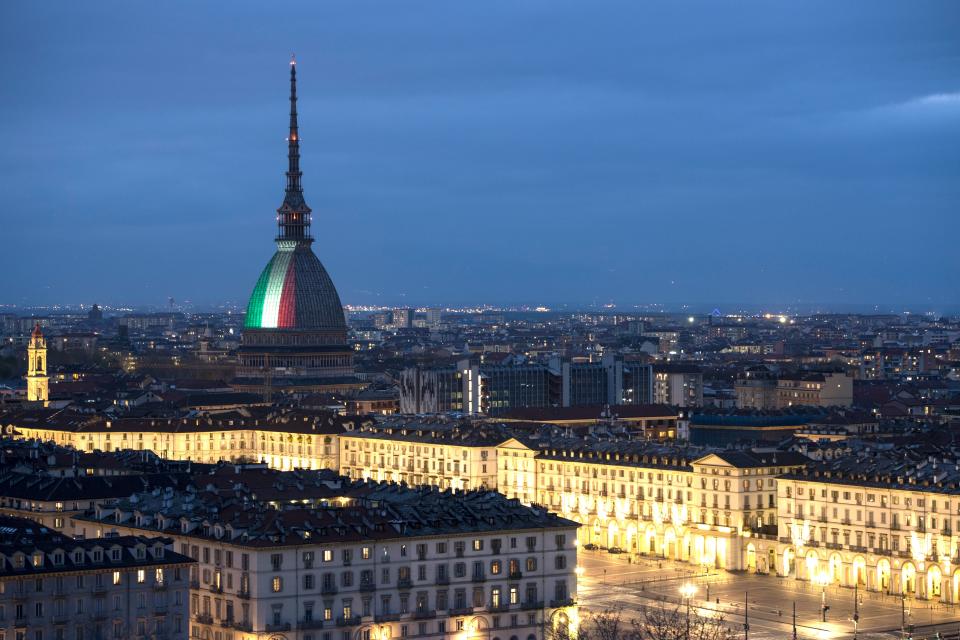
column 294, row 291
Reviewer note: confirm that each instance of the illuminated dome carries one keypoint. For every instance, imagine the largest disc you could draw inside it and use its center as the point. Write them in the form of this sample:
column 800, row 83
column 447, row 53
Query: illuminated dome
column 294, row 292
column 295, row 335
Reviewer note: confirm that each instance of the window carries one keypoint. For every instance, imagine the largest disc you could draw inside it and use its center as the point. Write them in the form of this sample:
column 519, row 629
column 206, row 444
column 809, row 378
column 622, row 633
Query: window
column 276, row 561
column 328, row 555
column 116, row 577
column 365, row 553
column 141, row 576
column 478, row 545
column 277, row 584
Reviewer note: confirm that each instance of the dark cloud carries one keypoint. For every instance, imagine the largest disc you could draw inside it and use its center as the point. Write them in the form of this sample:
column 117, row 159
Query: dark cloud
column 676, row 152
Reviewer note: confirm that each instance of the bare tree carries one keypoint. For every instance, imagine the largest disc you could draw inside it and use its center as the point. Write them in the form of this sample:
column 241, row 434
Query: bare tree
column 653, row 622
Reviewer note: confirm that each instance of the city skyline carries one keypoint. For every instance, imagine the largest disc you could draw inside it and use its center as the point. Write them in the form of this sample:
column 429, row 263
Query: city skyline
column 535, row 172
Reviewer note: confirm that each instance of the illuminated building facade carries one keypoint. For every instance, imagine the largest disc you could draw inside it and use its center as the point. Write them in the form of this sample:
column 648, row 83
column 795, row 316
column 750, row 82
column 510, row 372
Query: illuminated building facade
column 38, row 384
column 893, row 530
column 283, row 439
column 709, row 510
column 441, row 454
column 368, row 561
column 295, row 333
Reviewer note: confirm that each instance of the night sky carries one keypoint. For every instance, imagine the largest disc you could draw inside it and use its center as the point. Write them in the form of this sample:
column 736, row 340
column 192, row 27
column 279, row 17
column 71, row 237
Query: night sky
column 509, row 152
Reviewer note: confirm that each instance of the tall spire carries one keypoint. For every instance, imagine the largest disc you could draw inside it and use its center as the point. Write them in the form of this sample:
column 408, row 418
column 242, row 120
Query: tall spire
column 293, row 216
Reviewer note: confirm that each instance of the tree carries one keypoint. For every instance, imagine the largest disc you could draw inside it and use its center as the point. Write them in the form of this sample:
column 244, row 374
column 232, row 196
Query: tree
column 662, row 621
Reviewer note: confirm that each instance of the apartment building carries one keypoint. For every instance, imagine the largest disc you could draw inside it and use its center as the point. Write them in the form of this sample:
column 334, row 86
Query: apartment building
column 678, row 385
column 368, row 560
column 54, row 587
column 52, row 501
column 436, row 452
column 283, row 438
column 690, row 504
column 879, row 520
column 814, row 389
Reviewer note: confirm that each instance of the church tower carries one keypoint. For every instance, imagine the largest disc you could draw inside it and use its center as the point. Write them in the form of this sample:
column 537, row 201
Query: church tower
column 38, row 384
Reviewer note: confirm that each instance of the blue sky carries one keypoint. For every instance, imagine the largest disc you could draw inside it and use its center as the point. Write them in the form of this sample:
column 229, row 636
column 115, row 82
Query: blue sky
column 770, row 152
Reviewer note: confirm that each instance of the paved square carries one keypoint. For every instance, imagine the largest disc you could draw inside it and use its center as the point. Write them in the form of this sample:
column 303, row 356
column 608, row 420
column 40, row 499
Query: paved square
column 610, row 581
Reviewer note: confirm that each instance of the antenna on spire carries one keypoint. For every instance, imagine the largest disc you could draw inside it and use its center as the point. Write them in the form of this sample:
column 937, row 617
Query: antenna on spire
column 294, row 214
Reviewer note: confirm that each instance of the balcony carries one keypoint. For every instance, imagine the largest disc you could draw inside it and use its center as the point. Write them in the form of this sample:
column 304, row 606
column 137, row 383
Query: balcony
column 352, row 621
column 883, row 552
column 834, row 545
column 498, row 608
column 204, row 618
column 215, row 589
column 858, row 548
column 277, row 626
column 478, row 577
column 367, row 587
column 244, row 595
column 424, row 614
column 404, row 583
column 304, row 625
column 194, row 584
column 99, row 588
column 516, row 575
column 159, row 609
column 245, row 625
column 20, row 623
column 386, row 617
column 328, row 589
column 529, row 605
column 60, row 618
column 460, row 611
column 159, row 586
column 565, row 602
column 443, row 580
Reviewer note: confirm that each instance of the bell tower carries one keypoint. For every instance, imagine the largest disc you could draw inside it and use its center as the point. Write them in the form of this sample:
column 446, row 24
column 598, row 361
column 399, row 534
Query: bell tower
column 38, row 384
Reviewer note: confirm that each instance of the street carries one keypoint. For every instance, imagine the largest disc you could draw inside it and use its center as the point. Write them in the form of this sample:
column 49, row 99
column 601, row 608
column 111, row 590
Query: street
column 611, row 581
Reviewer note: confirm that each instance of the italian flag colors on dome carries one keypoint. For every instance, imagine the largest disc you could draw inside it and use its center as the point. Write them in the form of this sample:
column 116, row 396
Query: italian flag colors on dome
column 273, row 302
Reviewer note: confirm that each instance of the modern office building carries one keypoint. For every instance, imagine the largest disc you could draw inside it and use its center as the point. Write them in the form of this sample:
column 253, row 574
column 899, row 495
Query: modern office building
column 494, row 389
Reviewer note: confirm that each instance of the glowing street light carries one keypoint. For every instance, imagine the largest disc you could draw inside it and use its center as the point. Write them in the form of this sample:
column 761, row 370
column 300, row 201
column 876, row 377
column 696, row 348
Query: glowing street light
column 687, row 592
column 823, row 579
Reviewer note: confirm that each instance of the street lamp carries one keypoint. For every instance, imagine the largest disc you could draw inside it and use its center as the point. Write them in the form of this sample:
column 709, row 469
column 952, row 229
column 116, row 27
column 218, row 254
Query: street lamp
column 823, row 579
column 687, row 592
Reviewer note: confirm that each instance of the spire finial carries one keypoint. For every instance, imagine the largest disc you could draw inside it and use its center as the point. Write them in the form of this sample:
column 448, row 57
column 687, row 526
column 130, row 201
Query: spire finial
column 294, row 218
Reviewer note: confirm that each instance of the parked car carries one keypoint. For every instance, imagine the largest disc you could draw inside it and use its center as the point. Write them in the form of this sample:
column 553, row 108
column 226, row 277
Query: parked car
column 614, row 550
column 590, row 546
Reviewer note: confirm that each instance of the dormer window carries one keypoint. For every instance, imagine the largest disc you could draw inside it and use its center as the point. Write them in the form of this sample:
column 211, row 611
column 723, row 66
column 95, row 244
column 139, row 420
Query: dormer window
column 115, row 554
column 78, row 557
column 58, row 557
column 97, row 555
column 38, row 559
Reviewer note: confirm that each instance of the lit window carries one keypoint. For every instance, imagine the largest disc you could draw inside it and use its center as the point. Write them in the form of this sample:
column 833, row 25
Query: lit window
column 116, row 577
column 277, row 584
column 141, row 576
